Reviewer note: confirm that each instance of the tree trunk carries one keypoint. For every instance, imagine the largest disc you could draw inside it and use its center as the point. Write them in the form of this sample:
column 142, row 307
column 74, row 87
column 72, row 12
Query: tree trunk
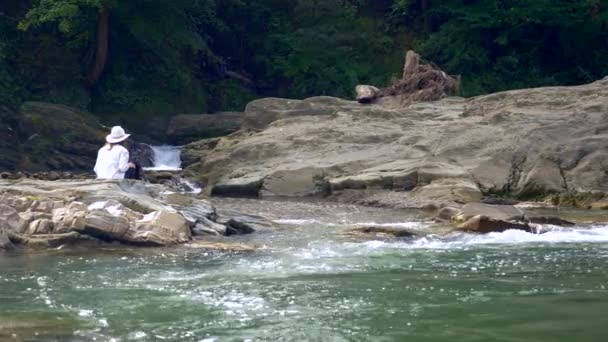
column 101, row 51
column 425, row 4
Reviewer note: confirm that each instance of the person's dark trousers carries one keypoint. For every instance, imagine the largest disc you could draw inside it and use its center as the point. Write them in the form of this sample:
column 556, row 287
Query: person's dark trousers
column 134, row 172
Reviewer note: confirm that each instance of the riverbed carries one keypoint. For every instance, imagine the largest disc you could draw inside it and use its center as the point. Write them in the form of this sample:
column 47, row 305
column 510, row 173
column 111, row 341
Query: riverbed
column 311, row 281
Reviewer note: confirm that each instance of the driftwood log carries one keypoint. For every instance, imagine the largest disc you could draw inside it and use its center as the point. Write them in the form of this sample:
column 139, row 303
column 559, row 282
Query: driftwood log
column 420, row 81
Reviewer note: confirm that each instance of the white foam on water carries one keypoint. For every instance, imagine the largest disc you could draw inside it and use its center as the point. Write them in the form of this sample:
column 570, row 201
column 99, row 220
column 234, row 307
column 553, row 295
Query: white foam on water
column 195, row 188
column 166, row 158
column 554, row 235
column 411, row 224
column 298, row 222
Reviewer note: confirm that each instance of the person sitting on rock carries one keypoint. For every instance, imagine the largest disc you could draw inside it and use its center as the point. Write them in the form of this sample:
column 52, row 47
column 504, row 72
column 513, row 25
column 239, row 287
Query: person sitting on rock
column 113, row 158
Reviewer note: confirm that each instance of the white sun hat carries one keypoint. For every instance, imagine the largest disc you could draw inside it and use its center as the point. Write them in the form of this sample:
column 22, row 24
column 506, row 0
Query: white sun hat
column 117, row 135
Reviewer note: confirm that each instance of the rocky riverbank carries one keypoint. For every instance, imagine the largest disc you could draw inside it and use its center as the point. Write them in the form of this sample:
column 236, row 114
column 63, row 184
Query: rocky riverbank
column 36, row 213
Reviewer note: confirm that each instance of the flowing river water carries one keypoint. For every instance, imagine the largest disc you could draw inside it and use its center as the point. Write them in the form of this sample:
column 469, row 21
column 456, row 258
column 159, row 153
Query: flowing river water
column 309, row 281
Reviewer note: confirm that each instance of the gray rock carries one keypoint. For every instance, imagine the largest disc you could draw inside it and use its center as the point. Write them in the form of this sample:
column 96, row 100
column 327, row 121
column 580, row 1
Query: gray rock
column 498, row 212
column 105, row 226
column 239, row 224
column 366, row 93
column 240, row 187
column 484, row 224
column 161, row 228
column 205, row 226
column 450, row 150
column 41, row 226
column 10, row 219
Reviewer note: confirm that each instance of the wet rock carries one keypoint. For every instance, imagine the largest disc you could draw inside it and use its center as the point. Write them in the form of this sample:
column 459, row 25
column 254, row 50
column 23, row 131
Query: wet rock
column 383, row 231
column 46, row 241
column 553, row 220
column 197, row 211
column 240, row 224
column 5, row 242
column 484, row 224
column 205, row 226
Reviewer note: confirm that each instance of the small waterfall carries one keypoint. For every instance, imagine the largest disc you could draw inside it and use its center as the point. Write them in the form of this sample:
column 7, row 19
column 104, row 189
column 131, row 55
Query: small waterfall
column 166, row 158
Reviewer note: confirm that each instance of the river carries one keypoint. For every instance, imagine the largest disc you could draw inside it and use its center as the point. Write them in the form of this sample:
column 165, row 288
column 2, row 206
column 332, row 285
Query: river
column 309, row 281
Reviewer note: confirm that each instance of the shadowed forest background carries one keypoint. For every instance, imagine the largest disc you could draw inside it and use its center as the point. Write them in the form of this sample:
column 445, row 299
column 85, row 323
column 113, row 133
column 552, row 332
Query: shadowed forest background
column 128, row 60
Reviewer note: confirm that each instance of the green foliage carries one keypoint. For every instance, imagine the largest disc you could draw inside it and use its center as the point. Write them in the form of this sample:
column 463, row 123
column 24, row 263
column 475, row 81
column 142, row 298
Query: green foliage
column 168, row 57
column 498, row 45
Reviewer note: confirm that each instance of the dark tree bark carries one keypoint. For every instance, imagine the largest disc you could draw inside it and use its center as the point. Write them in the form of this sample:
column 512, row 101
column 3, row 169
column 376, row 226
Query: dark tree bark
column 101, row 50
column 425, row 5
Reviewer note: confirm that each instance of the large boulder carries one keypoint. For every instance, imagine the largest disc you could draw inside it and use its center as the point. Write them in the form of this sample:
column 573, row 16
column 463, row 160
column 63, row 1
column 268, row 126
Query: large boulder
column 160, row 228
column 59, row 137
column 186, row 128
column 526, row 143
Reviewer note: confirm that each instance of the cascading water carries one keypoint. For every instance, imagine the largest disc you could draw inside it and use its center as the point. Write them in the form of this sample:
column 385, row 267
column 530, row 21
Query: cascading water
column 166, row 158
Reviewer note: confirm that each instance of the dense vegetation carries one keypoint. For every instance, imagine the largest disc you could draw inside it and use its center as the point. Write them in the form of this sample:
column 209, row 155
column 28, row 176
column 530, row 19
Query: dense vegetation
column 161, row 57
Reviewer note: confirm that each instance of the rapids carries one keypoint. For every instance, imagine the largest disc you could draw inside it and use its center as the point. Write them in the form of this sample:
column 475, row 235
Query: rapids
column 308, row 280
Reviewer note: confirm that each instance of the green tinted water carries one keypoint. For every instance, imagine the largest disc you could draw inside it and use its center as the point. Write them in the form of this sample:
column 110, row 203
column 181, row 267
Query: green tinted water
column 308, row 281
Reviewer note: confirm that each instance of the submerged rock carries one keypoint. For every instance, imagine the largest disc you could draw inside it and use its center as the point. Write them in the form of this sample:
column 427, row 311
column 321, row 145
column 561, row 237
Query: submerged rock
column 486, row 218
column 484, row 224
column 382, row 231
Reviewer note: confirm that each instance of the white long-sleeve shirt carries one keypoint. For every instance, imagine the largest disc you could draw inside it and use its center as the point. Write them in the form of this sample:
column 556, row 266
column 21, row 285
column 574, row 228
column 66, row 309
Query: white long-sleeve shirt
column 112, row 163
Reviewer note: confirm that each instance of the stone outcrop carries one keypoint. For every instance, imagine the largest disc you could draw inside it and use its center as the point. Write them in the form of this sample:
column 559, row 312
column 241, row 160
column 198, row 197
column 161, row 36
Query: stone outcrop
column 42, row 214
column 49, row 137
column 523, row 143
column 58, row 137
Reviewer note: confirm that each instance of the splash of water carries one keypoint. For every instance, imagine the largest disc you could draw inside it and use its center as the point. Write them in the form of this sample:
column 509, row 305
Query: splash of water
column 166, row 158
